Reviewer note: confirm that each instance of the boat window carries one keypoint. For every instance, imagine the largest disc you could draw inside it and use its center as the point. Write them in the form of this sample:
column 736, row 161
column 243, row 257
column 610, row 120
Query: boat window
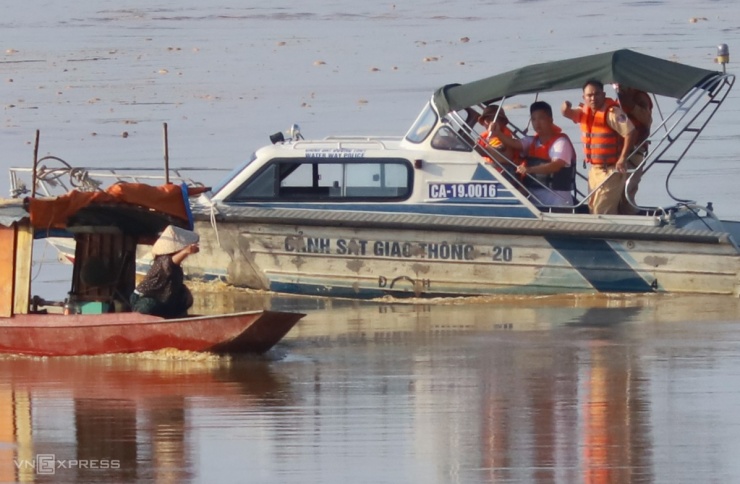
column 335, row 180
column 262, row 185
column 219, row 186
column 423, row 125
column 446, row 139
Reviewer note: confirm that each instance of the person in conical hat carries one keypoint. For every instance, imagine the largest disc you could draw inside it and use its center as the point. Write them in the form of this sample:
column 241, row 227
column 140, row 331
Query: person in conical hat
column 163, row 291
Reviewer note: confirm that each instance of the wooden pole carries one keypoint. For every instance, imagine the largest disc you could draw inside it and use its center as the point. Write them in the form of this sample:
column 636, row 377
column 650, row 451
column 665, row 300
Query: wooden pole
column 166, row 156
column 35, row 165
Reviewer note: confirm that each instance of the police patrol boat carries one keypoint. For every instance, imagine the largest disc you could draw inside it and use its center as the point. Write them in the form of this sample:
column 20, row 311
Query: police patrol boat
column 428, row 215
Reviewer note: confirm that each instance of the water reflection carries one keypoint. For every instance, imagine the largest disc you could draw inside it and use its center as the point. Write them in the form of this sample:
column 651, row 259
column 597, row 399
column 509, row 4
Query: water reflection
column 122, row 418
column 566, row 389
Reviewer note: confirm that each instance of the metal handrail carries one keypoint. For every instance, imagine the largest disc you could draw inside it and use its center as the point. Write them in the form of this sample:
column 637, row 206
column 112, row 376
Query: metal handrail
column 52, row 181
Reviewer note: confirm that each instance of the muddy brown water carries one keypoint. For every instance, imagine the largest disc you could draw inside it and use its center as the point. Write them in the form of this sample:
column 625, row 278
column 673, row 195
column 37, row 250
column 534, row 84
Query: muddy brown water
column 554, row 389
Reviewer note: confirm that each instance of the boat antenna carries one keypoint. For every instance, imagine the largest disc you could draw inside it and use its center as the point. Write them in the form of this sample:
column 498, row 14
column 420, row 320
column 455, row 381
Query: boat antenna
column 723, row 56
column 35, row 165
column 166, row 156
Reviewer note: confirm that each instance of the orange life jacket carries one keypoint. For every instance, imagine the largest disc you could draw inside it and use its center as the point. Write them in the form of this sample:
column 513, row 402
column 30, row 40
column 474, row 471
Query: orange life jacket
column 601, row 144
column 539, row 154
column 487, row 140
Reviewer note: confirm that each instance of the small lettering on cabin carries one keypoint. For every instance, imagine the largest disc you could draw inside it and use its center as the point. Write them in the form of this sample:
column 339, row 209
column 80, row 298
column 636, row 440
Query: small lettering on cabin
column 335, row 153
column 381, row 248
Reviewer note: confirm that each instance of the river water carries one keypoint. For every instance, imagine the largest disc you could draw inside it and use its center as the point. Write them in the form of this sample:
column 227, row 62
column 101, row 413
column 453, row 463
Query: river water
column 568, row 389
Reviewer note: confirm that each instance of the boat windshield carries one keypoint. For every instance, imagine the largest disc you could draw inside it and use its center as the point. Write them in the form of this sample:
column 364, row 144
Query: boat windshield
column 220, row 185
column 423, row 125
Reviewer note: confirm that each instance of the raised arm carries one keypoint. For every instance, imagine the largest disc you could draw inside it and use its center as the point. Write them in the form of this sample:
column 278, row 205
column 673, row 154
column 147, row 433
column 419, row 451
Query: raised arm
column 506, row 140
column 567, row 110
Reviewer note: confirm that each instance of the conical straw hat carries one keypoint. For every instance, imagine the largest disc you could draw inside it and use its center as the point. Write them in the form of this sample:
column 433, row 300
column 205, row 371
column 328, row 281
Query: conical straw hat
column 174, row 239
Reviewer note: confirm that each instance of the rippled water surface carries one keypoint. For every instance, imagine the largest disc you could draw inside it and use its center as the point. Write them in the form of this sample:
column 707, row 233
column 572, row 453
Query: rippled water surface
column 569, row 389
column 572, row 389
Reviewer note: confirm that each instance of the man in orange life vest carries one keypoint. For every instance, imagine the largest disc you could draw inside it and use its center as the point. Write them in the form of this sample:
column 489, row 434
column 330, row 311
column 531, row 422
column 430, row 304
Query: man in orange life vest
column 492, row 116
column 608, row 138
column 549, row 158
column 638, row 106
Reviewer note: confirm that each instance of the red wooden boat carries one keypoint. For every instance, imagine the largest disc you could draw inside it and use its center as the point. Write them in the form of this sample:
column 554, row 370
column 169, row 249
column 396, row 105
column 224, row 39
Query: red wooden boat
column 127, row 332
column 107, row 227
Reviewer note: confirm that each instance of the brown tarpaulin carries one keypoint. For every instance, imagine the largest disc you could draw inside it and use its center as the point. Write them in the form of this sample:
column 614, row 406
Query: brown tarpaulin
column 54, row 212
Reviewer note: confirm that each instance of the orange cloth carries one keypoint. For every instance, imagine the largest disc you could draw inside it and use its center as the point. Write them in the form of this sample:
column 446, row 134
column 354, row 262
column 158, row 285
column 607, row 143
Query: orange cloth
column 54, row 212
column 601, row 143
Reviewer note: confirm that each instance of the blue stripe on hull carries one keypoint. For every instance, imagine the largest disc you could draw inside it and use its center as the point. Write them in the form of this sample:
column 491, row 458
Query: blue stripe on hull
column 600, row 265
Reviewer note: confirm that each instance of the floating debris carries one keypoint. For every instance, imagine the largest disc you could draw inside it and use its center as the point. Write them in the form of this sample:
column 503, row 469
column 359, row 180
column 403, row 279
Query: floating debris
column 319, row 63
column 362, row 101
column 124, row 134
column 374, row 69
column 163, row 71
column 465, row 40
column 11, row 51
column 431, row 59
column 694, row 20
column 281, row 43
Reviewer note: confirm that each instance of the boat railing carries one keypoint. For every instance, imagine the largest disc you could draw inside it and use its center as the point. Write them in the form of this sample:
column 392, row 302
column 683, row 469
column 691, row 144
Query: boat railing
column 674, row 136
column 56, row 180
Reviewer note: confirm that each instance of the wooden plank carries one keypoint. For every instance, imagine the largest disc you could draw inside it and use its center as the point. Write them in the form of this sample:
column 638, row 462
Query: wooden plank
column 7, row 270
column 23, row 257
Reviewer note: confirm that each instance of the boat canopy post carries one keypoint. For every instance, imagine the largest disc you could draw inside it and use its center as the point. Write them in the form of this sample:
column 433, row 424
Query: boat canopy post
column 35, row 165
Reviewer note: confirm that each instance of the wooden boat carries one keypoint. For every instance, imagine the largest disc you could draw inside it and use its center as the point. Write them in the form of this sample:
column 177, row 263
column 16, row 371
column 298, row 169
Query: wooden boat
column 426, row 215
column 107, row 226
column 128, row 332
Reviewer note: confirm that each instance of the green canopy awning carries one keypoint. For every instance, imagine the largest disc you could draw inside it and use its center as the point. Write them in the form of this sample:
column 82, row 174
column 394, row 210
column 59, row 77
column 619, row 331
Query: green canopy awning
column 649, row 74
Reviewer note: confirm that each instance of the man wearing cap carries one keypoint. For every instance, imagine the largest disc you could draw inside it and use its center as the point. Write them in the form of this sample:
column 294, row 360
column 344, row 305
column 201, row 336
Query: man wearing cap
column 505, row 159
column 608, row 138
column 163, row 291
